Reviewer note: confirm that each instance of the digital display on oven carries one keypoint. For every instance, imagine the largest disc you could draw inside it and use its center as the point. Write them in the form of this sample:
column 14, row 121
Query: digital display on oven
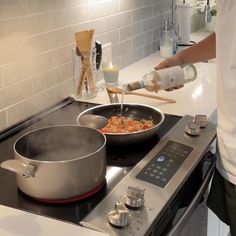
column 160, row 158
column 164, row 165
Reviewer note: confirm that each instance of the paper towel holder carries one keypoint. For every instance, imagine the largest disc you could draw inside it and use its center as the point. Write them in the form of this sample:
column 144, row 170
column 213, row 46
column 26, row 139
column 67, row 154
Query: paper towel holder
column 183, row 20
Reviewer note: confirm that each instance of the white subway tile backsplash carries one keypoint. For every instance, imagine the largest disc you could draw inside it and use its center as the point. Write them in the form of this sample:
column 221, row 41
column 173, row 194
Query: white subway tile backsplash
column 142, row 39
column 112, row 37
column 42, row 6
column 15, row 50
column 37, row 103
column 150, row 48
column 99, row 26
column 2, row 98
column 129, row 57
column 64, row 72
column 148, row 2
column 49, row 5
column 130, row 31
column 103, row 8
column 36, row 6
column 62, row 55
column 68, row 16
column 37, row 38
column 1, row 80
column 157, row 9
column 52, row 77
column 162, row 7
column 122, row 48
column 117, row 21
column 13, row 8
column 24, row 27
column 63, row 89
column 130, row 5
column 61, row 37
column 156, row 34
column 19, row 71
column 52, row 95
column 151, row 2
column 21, row 111
column 151, row 23
column 165, row 6
column 3, row 120
column 141, row 14
column 43, row 81
column 17, row 92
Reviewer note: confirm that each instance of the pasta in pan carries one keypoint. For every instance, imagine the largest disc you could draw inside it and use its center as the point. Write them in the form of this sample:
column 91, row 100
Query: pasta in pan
column 121, row 124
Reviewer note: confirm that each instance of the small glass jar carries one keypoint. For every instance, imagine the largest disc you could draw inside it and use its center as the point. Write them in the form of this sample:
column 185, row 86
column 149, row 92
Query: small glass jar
column 87, row 92
column 166, row 44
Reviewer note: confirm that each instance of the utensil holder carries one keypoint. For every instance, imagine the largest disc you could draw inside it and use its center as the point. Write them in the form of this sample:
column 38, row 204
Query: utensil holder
column 79, row 72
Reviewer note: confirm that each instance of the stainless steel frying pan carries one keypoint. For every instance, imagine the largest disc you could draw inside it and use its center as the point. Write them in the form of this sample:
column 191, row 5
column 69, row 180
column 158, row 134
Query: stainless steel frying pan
column 137, row 111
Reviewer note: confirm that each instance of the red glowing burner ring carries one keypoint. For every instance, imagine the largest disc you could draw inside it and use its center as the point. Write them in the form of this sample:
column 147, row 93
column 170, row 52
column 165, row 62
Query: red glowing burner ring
column 75, row 199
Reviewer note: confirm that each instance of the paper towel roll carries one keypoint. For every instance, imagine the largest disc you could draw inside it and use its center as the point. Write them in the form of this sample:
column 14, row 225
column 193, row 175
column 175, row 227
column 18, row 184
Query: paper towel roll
column 183, row 22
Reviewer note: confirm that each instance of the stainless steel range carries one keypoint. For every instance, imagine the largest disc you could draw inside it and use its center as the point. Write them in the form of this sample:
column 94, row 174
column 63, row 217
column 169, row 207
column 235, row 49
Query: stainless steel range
column 144, row 197
column 147, row 183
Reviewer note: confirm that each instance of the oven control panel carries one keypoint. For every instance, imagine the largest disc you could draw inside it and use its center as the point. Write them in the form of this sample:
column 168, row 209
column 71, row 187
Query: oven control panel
column 163, row 166
column 138, row 203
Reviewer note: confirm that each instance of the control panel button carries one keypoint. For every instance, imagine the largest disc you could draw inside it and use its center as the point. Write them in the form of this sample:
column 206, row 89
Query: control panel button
column 193, row 129
column 201, row 120
column 134, row 197
column 119, row 216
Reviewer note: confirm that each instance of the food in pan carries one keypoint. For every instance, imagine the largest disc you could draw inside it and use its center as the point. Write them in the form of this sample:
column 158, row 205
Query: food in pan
column 122, row 124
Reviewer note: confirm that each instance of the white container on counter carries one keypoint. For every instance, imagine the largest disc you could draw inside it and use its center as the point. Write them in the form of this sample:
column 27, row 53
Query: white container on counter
column 166, row 44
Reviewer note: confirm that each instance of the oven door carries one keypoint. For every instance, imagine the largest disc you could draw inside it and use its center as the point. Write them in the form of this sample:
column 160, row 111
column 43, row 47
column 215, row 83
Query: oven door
column 184, row 205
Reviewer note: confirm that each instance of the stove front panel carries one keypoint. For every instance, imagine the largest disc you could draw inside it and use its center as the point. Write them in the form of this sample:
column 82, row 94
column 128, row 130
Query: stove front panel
column 183, row 153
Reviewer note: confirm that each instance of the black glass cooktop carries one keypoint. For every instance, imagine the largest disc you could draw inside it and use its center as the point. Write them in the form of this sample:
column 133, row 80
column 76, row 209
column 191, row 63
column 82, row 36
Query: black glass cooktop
column 66, row 113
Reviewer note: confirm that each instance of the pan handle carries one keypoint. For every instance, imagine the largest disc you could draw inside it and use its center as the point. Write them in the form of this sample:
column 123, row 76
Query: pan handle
column 20, row 168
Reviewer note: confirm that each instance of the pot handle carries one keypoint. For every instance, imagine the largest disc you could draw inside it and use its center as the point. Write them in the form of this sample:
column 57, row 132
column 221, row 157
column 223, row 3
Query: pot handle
column 20, row 168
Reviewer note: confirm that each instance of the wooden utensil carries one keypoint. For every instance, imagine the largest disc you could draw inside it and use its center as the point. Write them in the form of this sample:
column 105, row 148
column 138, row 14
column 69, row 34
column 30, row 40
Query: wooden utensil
column 83, row 42
column 121, row 91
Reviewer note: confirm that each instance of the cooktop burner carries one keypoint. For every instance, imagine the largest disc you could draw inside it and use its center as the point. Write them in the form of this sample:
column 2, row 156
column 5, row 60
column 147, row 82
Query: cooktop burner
column 75, row 199
column 119, row 162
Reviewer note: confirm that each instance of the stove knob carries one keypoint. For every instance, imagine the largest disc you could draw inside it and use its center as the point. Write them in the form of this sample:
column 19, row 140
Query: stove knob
column 119, row 216
column 134, row 197
column 201, row 120
column 193, row 129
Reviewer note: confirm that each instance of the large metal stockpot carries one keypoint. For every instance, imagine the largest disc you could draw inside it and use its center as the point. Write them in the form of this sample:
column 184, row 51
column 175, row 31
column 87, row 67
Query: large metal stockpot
column 133, row 110
column 59, row 162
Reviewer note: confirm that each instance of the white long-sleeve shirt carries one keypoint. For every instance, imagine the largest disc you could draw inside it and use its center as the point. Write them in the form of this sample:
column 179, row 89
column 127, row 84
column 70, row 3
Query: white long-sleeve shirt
column 226, row 87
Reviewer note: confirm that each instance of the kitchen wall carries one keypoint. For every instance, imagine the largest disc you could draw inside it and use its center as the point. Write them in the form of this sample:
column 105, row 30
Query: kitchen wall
column 37, row 37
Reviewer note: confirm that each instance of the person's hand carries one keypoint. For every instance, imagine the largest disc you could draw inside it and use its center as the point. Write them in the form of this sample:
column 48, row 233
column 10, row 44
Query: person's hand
column 169, row 62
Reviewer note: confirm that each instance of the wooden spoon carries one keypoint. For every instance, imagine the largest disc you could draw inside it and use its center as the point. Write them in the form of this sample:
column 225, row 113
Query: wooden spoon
column 121, row 91
column 83, row 43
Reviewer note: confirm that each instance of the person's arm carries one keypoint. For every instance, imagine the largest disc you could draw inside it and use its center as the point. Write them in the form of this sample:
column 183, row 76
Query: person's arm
column 201, row 51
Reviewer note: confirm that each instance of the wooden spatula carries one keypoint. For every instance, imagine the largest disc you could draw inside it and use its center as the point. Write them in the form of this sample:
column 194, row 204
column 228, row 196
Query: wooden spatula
column 84, row 45
column 120, row 91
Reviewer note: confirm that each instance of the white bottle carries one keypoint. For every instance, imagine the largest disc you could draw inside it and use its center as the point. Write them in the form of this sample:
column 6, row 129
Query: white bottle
column 164, row 79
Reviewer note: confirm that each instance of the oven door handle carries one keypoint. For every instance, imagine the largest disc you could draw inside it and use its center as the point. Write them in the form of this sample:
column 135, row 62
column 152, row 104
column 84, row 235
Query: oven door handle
column 175, row 230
